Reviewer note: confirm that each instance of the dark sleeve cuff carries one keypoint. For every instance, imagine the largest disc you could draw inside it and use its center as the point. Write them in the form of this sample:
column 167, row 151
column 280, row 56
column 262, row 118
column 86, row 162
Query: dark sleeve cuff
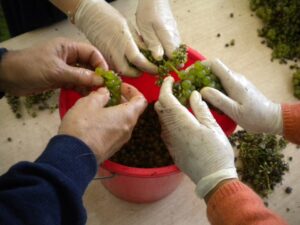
column 2, row 52
column 72, row 157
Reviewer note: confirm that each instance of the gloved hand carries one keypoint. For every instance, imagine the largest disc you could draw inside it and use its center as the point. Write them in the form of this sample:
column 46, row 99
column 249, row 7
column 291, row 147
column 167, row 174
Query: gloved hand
column 49, row 66
column 104, row 130
column 197, row 144
column 244, row 103
column 157, row 27
column 107, row 29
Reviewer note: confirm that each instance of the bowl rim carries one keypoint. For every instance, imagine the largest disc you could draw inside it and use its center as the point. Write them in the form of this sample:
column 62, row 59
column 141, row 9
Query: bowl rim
column 119, row 169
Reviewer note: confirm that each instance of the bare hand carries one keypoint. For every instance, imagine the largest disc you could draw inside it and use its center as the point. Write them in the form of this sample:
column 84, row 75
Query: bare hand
column 104, row 130
column 49, row 66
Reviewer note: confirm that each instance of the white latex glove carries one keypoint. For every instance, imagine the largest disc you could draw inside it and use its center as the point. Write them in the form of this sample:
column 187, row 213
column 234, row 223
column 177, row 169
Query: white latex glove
column 107, row 29
column 197, row 144
column 244, row 103
column 157, row 27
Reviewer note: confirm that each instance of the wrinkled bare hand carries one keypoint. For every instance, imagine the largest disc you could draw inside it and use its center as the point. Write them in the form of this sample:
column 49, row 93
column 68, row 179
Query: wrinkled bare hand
column 49, row 66
column 104, row 130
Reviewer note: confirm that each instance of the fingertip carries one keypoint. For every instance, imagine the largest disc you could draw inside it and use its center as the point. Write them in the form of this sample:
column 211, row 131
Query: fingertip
column 103, row 64
column 128, row 71
column 169, row 51
column 210, row 94
column 96, row 59
column 131, row 72
column 158, row 107
column 166, row 97
column 77, row 76
column 142, row 101
column 196, row 95
column 137, row 104
column 206, row 90
column 196, row 99
column 103, row 91
column 129, row 91
column 100, row 96
column 169, row 79
column 157, row 52
column 97, row 80
column 166, row 87
column 135, row 57
column 219, row 68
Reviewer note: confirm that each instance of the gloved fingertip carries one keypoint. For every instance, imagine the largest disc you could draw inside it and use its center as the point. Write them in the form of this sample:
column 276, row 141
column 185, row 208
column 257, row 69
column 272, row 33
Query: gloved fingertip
column 157, row 106
column 170, row 48
column 218, row 64
column 204, row 89
column 152, row 69
column 169, row 79
column 206, row 92
column 131, row 72
column 196, row 100
column 157, row 52
column 195, row 96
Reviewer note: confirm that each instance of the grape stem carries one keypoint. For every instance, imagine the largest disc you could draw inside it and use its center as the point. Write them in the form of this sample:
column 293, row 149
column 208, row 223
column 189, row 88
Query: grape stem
column 170, row 65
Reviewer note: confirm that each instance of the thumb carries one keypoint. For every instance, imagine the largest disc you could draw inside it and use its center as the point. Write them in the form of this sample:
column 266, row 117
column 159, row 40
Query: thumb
column 201, row 111
column 78, row 76
column 220, row 101
column 100, row 96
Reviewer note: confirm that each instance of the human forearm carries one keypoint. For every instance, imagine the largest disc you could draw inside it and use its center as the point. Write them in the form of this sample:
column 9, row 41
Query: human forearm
column 235, row 203
column 9, row 63
column 69, row 7
column 3, row 51
column 216, row 188
column 54, row 68
column 291, row 122
column 48, row 191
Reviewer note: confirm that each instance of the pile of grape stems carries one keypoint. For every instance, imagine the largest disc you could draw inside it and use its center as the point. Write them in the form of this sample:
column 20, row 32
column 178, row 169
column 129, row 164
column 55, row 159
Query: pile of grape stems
column 32, row 103
column 281, row 31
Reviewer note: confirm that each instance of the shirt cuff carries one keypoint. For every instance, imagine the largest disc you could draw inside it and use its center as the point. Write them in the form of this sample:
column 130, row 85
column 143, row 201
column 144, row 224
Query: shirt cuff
column 72, row 157
column 2, row 53
column 291, row 122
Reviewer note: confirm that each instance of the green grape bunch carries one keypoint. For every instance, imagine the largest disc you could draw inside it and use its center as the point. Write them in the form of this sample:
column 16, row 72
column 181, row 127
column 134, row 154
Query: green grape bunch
column 113, row 83
column 281, row 26
column 195, row 77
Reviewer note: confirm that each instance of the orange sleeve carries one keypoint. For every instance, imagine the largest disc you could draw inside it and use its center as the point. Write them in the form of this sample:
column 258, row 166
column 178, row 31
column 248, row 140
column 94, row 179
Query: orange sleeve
column 235, row 203
column 291, row 122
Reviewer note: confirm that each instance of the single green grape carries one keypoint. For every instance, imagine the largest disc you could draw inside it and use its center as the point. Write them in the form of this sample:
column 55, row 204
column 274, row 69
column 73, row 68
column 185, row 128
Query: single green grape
column 186, row 84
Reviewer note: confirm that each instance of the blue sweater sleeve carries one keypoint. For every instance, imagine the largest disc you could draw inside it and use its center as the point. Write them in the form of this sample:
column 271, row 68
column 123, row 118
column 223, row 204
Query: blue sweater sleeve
column 49, row 191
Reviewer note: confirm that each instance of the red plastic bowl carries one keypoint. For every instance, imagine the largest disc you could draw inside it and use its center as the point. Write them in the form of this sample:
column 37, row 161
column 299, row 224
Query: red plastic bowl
column 143, row 185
